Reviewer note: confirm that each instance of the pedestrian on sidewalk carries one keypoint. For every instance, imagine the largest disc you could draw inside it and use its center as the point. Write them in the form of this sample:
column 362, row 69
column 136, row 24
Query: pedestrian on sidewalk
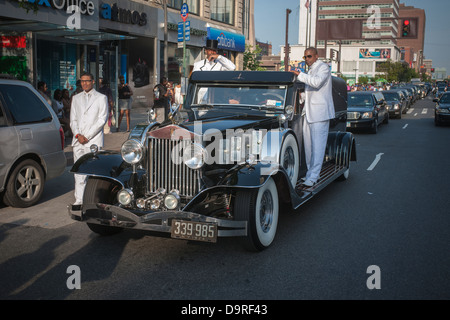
column 125, row 94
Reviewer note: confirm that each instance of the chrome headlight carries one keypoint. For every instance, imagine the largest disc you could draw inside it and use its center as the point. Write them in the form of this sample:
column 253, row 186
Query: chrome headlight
column 125, row 196
column 366, row 115
column 132, row 151
column 172, row 200
column 194, row 156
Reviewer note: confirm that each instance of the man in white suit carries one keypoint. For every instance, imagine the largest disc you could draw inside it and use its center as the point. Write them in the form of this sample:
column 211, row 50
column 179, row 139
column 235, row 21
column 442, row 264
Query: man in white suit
column 88, row 115
column 319, row 109
column 214, row 61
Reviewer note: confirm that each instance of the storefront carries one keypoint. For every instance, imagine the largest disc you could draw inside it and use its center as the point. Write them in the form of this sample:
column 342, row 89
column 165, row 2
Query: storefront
column 51, row 47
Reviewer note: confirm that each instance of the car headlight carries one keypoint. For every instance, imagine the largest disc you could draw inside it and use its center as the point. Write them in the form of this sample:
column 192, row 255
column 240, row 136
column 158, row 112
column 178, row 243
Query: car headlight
column 125, row 196
column 367, row 115
column 132, row 151
column 194, row 156
column 396, row 106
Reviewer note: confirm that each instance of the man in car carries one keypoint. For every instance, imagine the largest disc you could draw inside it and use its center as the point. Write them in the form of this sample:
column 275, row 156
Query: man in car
column 213, row 61
column 88, row 115
column 319, row 109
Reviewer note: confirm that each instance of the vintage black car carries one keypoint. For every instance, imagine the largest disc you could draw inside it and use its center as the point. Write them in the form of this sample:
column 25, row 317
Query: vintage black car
column 222, row 165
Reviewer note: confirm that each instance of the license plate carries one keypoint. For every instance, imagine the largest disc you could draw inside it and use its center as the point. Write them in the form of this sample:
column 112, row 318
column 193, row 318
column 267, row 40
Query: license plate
column 349, row 124
column 193, row 230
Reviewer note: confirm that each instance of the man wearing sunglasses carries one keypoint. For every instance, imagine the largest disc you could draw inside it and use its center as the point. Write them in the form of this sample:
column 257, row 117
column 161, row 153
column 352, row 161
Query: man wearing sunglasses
column 319, row 109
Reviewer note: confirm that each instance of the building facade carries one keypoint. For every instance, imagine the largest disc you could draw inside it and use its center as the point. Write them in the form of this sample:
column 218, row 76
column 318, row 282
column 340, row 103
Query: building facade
column 355, row 36
column 109, row 38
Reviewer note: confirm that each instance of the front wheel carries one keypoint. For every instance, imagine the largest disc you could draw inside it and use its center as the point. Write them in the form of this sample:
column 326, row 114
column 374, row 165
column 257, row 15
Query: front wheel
column 100, row 191
column 260, row 208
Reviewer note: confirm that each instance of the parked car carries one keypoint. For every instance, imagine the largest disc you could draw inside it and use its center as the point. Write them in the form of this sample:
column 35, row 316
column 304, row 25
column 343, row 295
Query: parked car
column 442, row 109
column 222, row 165
column 396, row 102
column 366, row 110
column 32, row 144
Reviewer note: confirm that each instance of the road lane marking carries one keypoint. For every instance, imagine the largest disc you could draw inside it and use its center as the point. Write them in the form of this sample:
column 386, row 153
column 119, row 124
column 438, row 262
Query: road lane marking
column 424, row 111
column 375, row 162
column 415, row 114
column 410, row 111
column 404, row 127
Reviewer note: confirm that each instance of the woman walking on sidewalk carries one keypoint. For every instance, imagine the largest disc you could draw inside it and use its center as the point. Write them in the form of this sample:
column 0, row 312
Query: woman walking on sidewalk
column 125, row 94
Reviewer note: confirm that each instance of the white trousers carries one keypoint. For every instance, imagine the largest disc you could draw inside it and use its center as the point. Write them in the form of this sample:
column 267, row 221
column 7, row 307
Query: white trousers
column 315, row 136
column 80, row 179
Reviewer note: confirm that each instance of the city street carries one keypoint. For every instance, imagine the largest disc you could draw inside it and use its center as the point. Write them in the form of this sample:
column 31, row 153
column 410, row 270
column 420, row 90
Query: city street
column 392, row 213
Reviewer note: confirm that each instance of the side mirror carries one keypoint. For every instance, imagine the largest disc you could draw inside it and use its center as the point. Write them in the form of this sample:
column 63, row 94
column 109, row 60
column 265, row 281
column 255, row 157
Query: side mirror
column 435, row 100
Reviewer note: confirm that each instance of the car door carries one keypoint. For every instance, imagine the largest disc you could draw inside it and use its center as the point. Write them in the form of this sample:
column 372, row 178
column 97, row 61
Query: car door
column 9, row 144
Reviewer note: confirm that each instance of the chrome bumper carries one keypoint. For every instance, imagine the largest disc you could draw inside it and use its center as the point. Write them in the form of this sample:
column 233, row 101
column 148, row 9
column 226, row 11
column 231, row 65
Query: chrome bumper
column 113, row 216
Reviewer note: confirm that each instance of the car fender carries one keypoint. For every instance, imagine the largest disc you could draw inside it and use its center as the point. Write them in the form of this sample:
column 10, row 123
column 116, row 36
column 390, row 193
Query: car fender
column 107, row 164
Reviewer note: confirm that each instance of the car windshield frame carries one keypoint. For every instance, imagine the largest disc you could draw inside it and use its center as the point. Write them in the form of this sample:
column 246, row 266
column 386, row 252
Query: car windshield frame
column 259, row 97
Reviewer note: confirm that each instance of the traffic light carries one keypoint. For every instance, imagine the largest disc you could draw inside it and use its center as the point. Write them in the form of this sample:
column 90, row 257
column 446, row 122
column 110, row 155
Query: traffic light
column 406, row 28
column 432, row 70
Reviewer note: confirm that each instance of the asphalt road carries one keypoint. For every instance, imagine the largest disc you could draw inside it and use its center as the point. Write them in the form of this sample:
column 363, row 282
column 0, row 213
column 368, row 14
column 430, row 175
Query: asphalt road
column 388, row 225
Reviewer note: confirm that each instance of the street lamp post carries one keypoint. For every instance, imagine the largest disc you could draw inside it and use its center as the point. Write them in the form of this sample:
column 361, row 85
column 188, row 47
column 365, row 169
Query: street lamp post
column 356, row 69
column 286, row 47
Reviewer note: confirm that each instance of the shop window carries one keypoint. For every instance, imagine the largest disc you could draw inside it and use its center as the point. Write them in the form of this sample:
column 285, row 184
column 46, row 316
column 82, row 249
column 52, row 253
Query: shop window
column 192, row 4
column 223, row 11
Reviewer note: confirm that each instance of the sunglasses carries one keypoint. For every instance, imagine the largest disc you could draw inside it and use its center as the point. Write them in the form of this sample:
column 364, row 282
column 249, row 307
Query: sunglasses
column 309, row 56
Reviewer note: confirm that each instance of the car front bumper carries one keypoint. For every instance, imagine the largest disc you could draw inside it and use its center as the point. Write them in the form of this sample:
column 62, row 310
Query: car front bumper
column 158, row 221
column 361, row 123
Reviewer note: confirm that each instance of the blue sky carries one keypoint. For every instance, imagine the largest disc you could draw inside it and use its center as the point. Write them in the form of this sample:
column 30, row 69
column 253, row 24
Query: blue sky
column 270, row 25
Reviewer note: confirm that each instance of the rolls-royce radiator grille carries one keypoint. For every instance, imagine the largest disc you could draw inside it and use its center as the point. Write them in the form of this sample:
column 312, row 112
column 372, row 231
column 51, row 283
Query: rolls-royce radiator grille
column 165, row 173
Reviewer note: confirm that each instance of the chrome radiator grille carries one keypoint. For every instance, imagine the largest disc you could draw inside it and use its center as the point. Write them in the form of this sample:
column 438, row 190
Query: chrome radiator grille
column 167, row 174
column 353, row 115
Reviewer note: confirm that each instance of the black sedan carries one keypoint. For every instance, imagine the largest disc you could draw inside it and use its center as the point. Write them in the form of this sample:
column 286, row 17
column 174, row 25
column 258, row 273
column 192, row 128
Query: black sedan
column 366, row 110
column 442, row 110
column 396, row 101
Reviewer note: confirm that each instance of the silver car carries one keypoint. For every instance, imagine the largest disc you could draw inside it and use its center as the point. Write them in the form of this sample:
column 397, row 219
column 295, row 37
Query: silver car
column 31, row 144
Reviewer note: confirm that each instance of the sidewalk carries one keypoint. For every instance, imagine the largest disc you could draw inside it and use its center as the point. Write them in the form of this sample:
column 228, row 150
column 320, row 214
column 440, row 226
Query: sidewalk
column 114, row 140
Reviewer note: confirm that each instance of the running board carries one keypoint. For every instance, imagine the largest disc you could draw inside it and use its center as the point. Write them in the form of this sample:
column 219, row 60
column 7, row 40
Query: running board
column 328, row 174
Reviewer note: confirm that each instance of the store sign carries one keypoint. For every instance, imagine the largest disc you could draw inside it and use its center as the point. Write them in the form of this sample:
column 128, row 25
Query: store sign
column 114, row 13
column 84, row 6
column 227, row 40
column 13, row 42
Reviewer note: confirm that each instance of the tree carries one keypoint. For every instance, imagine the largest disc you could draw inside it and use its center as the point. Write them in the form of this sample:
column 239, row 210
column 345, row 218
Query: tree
column 397, row 71
column 251, row 61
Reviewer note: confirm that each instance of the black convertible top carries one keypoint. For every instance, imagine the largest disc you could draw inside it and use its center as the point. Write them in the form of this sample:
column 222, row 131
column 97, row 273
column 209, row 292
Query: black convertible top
column 274, row 77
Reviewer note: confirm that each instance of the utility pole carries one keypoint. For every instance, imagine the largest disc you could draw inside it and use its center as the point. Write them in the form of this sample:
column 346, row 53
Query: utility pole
column 286, row 47
column 166, row 44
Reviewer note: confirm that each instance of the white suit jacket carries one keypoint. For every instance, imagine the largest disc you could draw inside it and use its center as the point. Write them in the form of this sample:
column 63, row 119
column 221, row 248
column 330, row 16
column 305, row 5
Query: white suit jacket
column 89, row 119
column 220, row 64
column 319, row 104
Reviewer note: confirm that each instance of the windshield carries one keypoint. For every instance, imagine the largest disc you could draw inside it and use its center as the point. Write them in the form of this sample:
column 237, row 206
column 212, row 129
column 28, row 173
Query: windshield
column 360, row 100
column 390, row 96
column 445, row 98
column 236, row 96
